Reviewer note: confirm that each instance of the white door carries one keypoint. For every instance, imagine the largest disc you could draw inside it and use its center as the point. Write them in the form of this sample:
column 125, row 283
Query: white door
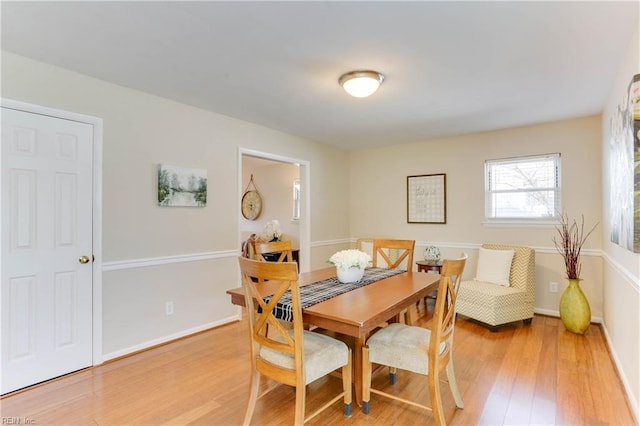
column 46, row 219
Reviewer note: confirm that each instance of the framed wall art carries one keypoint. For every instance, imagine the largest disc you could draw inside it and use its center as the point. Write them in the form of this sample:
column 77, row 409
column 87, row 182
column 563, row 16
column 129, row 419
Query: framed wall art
column 427, row 198
column 181, row 186
column 625, row 169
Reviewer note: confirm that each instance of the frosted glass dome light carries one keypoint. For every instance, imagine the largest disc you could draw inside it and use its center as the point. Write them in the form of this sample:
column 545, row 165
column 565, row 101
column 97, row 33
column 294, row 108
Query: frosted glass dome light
column 361, row 84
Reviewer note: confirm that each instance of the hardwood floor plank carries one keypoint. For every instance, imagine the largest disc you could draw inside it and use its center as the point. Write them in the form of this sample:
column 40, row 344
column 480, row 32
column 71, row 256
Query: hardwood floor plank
column 543, row 409
column 519, row 410
column 540, row 374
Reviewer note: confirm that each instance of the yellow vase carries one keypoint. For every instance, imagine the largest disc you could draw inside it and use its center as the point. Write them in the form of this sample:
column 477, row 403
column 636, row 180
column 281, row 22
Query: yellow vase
column 575, row 312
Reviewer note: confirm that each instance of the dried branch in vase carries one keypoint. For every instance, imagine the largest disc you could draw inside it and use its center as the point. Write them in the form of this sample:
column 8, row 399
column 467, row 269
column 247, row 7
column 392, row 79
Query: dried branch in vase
column 571, row 239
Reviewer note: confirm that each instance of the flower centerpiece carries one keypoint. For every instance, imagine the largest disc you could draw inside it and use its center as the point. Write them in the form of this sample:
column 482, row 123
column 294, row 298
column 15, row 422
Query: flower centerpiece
column 350, row 264
column 575, row 312
column 271, row 231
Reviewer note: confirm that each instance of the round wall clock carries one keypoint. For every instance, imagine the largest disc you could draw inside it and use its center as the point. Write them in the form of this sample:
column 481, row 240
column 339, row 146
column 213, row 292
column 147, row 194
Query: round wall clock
column 251, row 204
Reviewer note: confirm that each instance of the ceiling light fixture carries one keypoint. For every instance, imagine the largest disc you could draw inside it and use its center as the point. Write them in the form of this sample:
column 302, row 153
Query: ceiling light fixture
column 361, row 84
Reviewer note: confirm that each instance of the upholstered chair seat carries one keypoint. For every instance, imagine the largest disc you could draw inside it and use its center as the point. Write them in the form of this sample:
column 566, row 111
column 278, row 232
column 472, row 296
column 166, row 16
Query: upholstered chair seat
column 322, row 355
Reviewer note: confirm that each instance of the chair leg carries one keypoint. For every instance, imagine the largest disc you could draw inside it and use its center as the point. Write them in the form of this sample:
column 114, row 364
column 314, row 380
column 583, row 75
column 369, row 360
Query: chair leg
column 436, row 399
column 527, row 321
column 253, row 397
column 366, row 380
column 393, row 375
column 453, row 385
column 300, row 402
column 347, row 385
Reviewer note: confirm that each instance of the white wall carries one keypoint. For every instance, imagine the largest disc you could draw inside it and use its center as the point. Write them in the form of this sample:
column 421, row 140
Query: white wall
column 154, row 254
column 621, row 291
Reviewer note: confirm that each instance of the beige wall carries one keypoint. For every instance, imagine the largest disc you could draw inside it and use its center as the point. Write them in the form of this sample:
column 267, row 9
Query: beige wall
column 378, row 196
column 148, row 251
column 621, row 291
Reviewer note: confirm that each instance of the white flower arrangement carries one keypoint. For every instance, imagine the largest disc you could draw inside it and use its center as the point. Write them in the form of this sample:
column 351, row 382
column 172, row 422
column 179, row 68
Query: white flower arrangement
column 351, row 258
column 271, row 231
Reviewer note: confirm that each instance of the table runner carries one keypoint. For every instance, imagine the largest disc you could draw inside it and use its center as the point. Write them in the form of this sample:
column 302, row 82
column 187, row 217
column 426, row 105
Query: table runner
column 320, row 291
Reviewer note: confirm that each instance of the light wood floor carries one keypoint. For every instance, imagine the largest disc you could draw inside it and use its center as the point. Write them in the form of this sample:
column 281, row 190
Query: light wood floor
column 537, row 375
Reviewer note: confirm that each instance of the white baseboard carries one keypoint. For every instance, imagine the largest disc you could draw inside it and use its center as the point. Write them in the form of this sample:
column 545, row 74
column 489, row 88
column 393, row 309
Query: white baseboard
column 635, row 410
column 553, row 313
column 155, row 342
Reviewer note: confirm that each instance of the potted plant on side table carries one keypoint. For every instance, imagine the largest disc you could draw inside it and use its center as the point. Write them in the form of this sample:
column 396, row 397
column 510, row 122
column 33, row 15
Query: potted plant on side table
column 575, row 311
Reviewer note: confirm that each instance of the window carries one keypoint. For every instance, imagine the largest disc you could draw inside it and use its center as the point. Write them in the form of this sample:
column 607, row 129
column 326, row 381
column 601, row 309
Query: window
column 523, row 187
column 296, row 199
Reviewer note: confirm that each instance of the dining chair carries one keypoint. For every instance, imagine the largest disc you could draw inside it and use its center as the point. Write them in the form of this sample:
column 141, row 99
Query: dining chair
column 394, row 253
column 259, row 249
column 294, row 357
column 420, row 350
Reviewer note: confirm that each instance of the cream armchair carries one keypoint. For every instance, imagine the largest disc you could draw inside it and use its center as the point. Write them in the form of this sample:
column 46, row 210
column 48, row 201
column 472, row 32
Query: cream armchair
column 495, row 304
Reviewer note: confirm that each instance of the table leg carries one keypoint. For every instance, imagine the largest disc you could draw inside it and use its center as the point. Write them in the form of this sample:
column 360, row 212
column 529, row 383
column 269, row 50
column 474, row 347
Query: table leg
column 357, row 367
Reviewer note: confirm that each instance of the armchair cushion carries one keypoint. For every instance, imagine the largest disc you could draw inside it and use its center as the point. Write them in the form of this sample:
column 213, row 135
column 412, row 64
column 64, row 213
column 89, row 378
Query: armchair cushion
column 494, row 266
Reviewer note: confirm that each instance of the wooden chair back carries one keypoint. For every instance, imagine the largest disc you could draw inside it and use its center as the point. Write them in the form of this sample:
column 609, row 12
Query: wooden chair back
column 282, row 247
column 404, row 249
column 444, row 316
column 265, row 329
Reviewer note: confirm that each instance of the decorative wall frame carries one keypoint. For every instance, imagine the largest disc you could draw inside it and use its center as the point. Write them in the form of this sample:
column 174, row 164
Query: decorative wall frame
column 427, row 198
column 181, row 186
column 624, row 168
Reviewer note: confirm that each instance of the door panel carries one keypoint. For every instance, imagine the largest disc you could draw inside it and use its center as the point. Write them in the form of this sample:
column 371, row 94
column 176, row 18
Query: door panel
column 47, row 223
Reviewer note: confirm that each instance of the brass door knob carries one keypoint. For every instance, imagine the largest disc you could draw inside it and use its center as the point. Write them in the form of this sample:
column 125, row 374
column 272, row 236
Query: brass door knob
column 84, row 259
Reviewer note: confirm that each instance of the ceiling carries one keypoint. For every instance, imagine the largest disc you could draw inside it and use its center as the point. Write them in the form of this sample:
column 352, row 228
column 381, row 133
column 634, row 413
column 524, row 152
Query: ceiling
column 451, row 67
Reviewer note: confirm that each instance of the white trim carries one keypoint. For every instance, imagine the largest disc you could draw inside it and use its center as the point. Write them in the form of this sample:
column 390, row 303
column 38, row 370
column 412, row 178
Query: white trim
column 155, row 342
column 625, row 381
column 489, row 191
column 519, row 223
column 471, row 246
column 332, row 242
column 554, row 313
column 634, row 280
column 192, row 257
column 97, row 205
column 165, row 260
column 305, row 201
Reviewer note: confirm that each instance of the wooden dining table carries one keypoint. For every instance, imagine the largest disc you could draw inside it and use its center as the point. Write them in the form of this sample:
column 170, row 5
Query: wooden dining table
column 358, row 312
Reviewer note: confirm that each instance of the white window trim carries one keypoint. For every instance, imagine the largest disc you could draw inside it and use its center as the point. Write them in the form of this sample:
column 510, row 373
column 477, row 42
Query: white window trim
column 544, row 222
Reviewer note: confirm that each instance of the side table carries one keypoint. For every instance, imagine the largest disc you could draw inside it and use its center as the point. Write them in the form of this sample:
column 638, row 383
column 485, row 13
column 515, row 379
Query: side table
column 429, row 268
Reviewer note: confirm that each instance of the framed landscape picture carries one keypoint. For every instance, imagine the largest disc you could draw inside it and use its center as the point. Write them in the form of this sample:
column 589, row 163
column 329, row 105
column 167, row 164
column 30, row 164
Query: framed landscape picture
column 181, row 186
column 427, row 198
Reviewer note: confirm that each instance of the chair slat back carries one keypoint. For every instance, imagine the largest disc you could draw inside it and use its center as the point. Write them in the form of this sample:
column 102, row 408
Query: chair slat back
column 444, row 316
column 265, row 329
column 403, row 248
column 282, row 247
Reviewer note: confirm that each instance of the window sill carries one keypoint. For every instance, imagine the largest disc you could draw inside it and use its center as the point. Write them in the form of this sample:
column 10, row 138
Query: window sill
column 520, row 223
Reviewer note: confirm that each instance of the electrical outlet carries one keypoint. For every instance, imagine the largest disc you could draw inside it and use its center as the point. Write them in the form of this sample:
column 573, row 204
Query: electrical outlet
column 553, row 287
column 168, row 308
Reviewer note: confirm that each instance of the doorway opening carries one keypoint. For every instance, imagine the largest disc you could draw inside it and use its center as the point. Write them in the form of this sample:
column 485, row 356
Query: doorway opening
column 280, row 180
